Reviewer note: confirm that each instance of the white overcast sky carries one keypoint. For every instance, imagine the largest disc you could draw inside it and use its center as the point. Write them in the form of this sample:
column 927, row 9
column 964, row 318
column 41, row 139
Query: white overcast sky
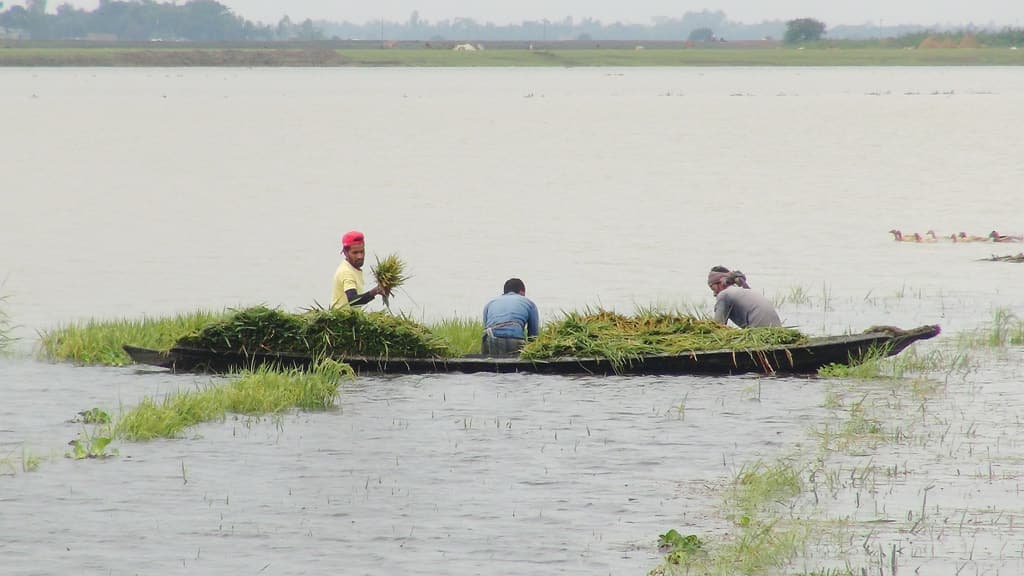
column 832, row 12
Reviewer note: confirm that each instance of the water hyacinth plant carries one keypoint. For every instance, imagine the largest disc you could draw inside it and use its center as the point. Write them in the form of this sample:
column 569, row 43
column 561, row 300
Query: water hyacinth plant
column 390, row 273
column 606, row 334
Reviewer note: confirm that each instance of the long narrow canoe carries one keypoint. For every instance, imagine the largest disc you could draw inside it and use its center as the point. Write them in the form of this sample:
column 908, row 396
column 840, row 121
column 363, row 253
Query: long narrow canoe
column 793, row 358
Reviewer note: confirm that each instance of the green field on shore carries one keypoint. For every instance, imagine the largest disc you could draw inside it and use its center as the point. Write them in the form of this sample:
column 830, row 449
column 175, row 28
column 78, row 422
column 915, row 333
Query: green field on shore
column 65, row 54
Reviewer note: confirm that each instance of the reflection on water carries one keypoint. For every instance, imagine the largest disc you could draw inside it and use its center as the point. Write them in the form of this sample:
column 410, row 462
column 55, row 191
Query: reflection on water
column 148, row 192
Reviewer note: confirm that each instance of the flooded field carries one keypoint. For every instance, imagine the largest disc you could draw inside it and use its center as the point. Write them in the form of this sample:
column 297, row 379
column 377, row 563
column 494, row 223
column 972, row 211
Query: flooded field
column 167, row 191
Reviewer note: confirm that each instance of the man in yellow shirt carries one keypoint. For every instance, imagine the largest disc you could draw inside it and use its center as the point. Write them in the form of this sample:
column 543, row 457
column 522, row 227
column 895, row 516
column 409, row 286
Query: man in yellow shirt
column 348, row 278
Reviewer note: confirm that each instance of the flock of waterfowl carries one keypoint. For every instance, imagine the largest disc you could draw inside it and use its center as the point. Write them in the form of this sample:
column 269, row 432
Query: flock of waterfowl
column 962, row 237
column 931, row 236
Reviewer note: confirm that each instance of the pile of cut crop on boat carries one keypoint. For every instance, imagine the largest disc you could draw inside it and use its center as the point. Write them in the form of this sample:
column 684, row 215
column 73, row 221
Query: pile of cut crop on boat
column 605, row 334
column 334, row 332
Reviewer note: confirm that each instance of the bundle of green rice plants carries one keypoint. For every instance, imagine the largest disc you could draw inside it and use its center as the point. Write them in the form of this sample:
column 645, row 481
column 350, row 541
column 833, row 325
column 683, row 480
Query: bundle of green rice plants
column 339, row 332
column 619, row 338
column 390, row 273
column 256, row 329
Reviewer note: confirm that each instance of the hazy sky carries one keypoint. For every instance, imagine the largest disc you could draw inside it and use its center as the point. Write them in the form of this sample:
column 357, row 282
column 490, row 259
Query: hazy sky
column 832, row 12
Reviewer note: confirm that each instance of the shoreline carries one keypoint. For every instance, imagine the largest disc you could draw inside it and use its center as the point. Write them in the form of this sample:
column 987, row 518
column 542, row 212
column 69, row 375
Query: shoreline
column 428, row 55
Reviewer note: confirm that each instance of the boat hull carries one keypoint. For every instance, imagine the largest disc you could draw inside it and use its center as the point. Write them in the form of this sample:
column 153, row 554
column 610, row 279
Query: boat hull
column 802, row 358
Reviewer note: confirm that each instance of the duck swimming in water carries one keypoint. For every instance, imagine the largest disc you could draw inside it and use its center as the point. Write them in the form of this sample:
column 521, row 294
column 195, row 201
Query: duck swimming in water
column 899, row 237
column 997, row 237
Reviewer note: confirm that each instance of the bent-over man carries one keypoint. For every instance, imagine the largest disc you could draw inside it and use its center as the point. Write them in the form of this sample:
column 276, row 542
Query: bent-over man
column 734, row 300
column 508, row 320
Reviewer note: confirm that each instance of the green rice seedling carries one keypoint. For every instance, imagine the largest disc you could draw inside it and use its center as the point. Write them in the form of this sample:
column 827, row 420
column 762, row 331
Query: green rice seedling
column 462, row 335
column 100, row 341
column 390, row 273
column 605, row 334
column 257, row 392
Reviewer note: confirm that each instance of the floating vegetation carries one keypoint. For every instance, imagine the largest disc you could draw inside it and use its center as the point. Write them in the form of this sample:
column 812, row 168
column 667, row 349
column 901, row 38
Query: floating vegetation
column 333, row 332
column 99, row 342
column 680, row 549
column 91, row 445
column 605, row 334
column 257, row 392
column 390, row 273
column 92, row 416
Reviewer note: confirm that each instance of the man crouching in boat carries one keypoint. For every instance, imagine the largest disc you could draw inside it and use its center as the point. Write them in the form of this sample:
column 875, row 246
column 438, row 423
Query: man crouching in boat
column 734, row 300
column 508, row 320
column 348, row 278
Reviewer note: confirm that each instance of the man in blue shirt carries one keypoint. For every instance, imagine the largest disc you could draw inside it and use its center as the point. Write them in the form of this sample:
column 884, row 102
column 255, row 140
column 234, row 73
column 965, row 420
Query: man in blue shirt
column 508, row 320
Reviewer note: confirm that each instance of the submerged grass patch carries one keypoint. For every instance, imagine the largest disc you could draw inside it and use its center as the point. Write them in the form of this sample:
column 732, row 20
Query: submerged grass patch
column 875, row 364
column 763, row 540
column 99, row 342
column 333, row 332
column 6, row 340
column 606, row 334
column 261, row 391
column 1006, row 329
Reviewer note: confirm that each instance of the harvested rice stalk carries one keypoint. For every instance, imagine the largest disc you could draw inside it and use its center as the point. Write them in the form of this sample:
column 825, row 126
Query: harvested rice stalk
column 619, row 338
column 334, row 333
column 390, row 274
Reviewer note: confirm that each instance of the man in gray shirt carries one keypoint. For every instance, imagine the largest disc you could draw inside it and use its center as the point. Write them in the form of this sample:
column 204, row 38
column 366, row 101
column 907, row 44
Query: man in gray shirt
column 737, row 302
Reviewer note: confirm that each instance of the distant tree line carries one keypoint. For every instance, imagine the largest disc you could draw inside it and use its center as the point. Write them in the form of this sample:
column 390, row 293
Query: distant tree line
column 196, row 20
column 211, row 21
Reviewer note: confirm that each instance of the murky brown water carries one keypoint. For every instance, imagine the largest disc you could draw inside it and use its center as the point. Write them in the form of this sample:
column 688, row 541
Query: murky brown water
column 149, row 192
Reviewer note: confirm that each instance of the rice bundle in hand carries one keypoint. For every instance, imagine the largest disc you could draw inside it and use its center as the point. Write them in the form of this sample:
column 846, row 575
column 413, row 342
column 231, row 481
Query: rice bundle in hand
column 389, row 274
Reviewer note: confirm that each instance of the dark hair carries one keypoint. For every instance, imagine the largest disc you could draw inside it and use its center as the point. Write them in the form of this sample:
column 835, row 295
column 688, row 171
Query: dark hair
column 719, row 269
column 514, row 285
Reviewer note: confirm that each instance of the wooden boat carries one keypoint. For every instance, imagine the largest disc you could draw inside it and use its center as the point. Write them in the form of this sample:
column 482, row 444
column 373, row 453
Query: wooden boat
column 793, row 358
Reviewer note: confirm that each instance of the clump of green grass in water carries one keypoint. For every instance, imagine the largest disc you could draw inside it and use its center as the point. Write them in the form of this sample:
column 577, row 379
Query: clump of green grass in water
column 10, row 466
column 6, row 340
column 1005, row 330
column 390, row 273
column 763, row 541
column 99, row 342
column 257, row 392
column 462, row 335
column 605, row 334
column 876, row 365
column 331, row 333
